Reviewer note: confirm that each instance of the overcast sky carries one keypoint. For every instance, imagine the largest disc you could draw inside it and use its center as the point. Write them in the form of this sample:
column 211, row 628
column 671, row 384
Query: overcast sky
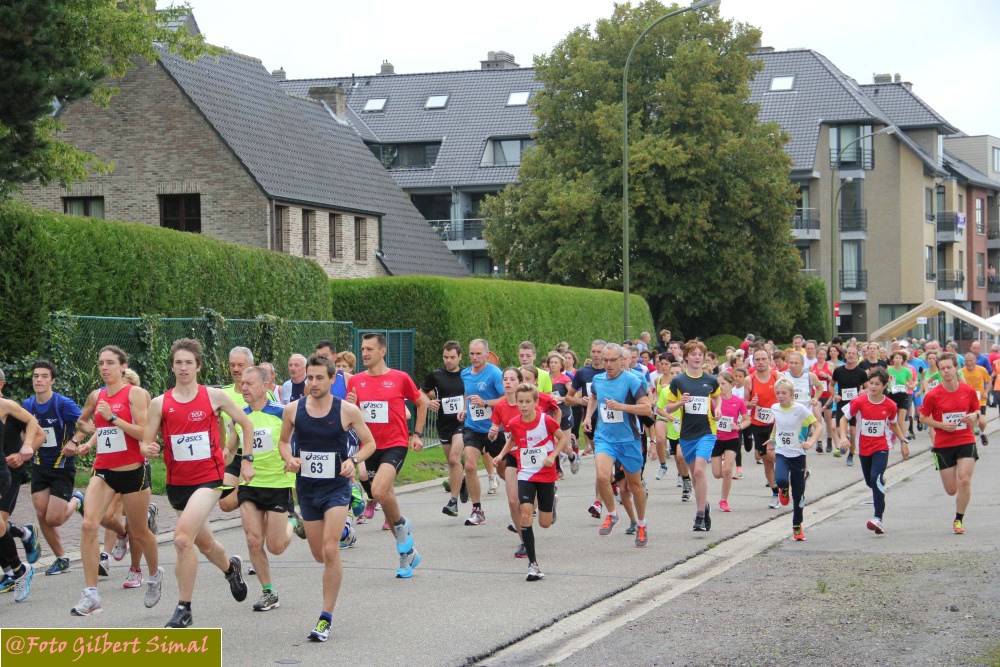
column 946, row 49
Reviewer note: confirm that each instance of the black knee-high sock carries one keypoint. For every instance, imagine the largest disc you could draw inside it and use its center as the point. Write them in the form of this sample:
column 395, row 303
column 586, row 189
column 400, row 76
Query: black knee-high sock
column 366, row 484
column 528, row 536
column 15, row 530
column 8, row 552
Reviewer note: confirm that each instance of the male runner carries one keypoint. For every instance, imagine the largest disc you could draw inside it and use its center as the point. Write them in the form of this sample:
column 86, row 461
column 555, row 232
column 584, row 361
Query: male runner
column 448, row 390
column 381, row 393
column 54, row 471
column 578, row 393
column 240, row 358
column 483, row 388
column 850, row 380
column 617, row 393
column 267, row 510
column 17, row 575
column 294, row 386
column 187, row 417
column 759, row 397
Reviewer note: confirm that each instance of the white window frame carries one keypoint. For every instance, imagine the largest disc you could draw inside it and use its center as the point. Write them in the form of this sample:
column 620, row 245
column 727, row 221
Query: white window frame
column 436, row 102
column 518, row 98
column 375, row 104
column 781, row 84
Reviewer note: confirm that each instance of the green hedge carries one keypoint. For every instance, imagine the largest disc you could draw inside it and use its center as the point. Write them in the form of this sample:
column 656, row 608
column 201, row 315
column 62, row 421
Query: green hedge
column 504, row 312
column 718, row 344
column 53, row 262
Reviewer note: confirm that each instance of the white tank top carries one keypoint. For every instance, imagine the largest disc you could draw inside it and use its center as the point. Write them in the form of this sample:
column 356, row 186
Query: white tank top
column 802, row 387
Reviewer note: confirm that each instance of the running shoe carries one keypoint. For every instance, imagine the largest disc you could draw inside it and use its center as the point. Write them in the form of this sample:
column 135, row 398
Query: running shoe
column 349, row 539
column 361, row 519
column 661, row 473
column 22, row 584
column 90, row 603
column 783, row 495
column 404, row 540
column 298, row 526
column 534, row 573
column 724, row 506
column 957, row 527
column 699, row 523
column 574, row 465
column 133, row 579
column 807, row 475
column 739, row 474
column 447, row 485
column 708, row 518
column 686, row 491
column 608, row 525
column 850, row 459
column 79, row 496
column 555, row 502
column 59, row 565
column 615, row 490
column 463, row 493
column 267, row 601
column 369, row 509
column 839, row 452
column 640, row 537
column 407, row 562
column 385, row 525
column 237, row 586
column 595, row 509
column 151, row 513
column 797, row 534
column 251, row 571
column 477, row 518
column 121, row 547
column 494, row 484
column 632, row 527
column 521, row 552
column 983, row 439
column 876, row 525
column 829, row 446
column 680, row 481
column 775, row 503
column 512, row 528
column 104, row 566
column 181, row 618
column 32, row 549
column 154, row 588
column 451, row 509
column 321, row 632
column 7, row 583
column 819, row 448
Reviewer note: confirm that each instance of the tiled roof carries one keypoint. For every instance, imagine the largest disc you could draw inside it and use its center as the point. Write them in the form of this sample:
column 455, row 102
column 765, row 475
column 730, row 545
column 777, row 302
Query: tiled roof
column 904, row 108
column 282, row 148
column 969, row 173
column 476, row 111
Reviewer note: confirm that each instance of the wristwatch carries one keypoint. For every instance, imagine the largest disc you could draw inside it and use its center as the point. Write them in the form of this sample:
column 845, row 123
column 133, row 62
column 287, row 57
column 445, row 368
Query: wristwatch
column 113, row 418
column 354, row 460
column 418, row 433
column 248, row 457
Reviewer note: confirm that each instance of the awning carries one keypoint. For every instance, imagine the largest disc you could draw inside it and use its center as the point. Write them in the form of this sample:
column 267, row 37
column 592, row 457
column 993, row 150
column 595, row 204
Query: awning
column 929, row 309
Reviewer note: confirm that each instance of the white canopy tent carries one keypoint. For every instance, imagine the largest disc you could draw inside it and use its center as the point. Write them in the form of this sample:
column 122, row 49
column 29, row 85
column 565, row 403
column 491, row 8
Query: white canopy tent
column 928, row 309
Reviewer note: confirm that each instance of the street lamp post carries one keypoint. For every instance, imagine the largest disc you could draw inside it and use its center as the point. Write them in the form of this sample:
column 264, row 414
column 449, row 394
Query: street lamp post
column 834, row 170
column 699, row 4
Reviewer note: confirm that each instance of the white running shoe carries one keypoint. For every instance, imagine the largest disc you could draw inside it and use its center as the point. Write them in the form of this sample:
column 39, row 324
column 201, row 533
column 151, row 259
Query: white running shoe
column 154, row 588
column 90, row 603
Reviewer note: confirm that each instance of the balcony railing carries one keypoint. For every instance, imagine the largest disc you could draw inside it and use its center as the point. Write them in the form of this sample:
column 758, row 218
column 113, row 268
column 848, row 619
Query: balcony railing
column 993, row 228
column 980, row 281
column 854, row 220
column 950, row 222
column 854, row 281
column 930, row 275
column 853, row 158
column 470, row 229
column 810, row 272
column 951, row 279
column 805, row 219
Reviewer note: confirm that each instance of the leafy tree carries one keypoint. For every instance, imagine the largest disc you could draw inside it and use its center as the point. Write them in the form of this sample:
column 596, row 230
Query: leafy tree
column 709, row 193
column 53, row 52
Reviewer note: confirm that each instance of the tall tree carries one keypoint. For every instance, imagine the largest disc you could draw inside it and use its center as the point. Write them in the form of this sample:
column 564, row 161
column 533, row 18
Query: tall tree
column 709, row 193
column 53, row 52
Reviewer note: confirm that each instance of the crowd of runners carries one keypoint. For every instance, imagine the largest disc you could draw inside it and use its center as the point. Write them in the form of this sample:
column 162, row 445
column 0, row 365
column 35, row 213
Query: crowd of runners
column 326, row 445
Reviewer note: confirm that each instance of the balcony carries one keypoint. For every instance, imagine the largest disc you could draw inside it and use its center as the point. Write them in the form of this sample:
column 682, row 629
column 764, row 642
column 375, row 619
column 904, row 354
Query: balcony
column 461, row 234
column 980, row 282
column 930, row 276
column 805, row 224
column 853, row 158
column 993, row 292
column 951, row 285
column 950, row 227
column 854, row 220
column 993, row 233
column 854, row 285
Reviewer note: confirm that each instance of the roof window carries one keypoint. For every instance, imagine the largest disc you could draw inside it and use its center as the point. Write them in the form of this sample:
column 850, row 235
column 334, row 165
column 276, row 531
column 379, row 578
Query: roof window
column 375, row 104
column 780, row 83
column 518, row 98
column 436, row 102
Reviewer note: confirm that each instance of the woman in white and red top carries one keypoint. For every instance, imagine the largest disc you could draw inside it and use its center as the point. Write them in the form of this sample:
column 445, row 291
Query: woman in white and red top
column 949, row 409
column 875, row 414
column 735, row 418
column 823, row 370
column 119, row 419
column 538, row 441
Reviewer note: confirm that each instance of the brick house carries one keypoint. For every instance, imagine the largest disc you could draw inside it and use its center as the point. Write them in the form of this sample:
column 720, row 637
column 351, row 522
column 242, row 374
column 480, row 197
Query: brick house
column 215, row 146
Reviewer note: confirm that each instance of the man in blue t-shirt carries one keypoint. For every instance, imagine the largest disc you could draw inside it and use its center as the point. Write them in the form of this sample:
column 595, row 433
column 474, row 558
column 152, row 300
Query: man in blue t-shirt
column 54, row 471
column 483, row 387
column 618, row 397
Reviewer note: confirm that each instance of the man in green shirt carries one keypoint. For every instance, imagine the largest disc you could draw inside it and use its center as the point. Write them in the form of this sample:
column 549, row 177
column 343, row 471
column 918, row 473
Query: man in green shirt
column 526, row 354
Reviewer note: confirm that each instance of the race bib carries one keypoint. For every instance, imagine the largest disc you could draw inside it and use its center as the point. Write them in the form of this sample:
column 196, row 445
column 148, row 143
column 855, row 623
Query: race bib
column 319, row 465
column 849, row 394
column 376, row 412
column 897, row 389
column 698, row 405
column 589, row 390
column 786, row 439
column 979, row 395
column 110, row 439
column 931, row 384
column 800, row 396
column 955, row 418
column 725, row 424
column 824, row 386
column 532, row 459
column 191, row 446
column 609, row 416
column 873, row 428
column 263, row 441
column 479, row 413
column 764, row 415
column 452, row 405
column 50, row 437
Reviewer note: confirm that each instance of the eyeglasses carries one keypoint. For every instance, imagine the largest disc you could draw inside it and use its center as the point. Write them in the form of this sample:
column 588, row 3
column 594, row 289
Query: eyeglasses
column 607, row 360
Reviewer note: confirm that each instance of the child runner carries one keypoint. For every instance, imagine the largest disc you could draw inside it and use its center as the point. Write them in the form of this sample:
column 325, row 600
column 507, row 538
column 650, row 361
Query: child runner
column 789, row 451
column 735, row 418
column 671, row 422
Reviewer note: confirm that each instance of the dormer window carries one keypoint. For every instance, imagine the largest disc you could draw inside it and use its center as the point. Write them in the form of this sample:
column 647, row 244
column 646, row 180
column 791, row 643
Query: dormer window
column 436, row 102
column 782, row 83
column 375, row 104
column 518, row 98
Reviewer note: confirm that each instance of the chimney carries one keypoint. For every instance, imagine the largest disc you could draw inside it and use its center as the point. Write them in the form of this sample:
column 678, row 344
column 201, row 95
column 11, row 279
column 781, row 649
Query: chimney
column 387, row 68
column 499, row 60
column 335, row 98
column 897, row 78
column 764, row 49
column 279, row 74
column 882, row 78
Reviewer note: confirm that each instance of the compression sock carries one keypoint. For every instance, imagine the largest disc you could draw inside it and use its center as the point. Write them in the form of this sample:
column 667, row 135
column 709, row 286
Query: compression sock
column 528, row 535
